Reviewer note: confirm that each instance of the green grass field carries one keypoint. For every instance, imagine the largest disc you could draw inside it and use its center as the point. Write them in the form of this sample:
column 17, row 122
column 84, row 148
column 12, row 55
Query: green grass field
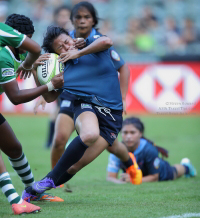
column 93, row 196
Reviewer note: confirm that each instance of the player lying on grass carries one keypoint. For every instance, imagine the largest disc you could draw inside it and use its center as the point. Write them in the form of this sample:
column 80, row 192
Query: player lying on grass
column 85, row 20
column 90, row 75
column 10, row 58
column 153, row 167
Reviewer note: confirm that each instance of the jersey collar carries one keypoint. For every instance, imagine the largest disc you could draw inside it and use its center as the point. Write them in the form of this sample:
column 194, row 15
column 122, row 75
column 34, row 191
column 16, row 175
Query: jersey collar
column 11, row 53
column 141, row 146
column 92, row 33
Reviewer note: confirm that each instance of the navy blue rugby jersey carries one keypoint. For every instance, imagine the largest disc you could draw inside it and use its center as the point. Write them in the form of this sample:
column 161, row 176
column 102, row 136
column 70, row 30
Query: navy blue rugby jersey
column 115, row 57
column 93, row 78
column 147, row 158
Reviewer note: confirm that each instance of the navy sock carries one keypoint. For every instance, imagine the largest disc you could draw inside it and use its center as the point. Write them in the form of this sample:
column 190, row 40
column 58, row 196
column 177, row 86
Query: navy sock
column 72, row 154
column 50, row 134
column 128, row 163
column 64, row 178
column 30, row 190
column 187, row 170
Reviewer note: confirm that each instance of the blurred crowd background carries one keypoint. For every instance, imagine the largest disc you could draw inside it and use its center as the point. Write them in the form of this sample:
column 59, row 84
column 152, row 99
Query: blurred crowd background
column 142, row 30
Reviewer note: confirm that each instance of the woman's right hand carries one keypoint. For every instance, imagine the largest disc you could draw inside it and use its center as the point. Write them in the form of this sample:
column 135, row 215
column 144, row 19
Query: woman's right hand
column 125, row 177
column 41, row 59
column 58, row 81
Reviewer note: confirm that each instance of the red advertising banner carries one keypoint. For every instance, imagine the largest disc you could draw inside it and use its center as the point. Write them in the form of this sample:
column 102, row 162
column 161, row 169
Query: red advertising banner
column 164, row 88
column 154, row 88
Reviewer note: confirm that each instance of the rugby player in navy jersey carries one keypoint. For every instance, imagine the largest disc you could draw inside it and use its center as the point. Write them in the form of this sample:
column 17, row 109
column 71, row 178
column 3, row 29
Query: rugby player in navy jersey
column 153, row 167
column 84, row 18
column 89, row 74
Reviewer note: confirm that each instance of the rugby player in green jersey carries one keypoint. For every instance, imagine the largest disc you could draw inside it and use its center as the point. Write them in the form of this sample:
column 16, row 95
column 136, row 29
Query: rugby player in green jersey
column 14, row 43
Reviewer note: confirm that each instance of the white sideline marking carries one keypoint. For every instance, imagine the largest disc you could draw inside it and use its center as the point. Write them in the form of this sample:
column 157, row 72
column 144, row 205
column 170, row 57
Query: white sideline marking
column 186, row 215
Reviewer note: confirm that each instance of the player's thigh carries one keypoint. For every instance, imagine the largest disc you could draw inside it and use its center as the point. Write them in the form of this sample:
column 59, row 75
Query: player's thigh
column 9, row 142
column 87, row 124
column 90, row 154
column 64, row 126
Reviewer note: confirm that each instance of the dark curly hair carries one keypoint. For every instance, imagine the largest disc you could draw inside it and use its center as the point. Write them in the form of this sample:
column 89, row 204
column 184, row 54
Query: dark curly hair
column 52, row 33
column 21, row 23
column 89, row 7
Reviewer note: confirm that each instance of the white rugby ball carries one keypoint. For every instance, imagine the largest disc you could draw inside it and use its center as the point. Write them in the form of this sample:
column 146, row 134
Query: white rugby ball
column 49, row 69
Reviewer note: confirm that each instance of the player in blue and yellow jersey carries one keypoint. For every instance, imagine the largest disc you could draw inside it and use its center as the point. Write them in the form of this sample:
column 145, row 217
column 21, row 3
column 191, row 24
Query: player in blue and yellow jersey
column 15, row 42
column 153, row 167
column 89, row 74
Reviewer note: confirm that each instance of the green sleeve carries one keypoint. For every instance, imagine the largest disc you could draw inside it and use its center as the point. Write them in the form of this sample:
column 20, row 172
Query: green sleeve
column 10, row 36
column 7, row 72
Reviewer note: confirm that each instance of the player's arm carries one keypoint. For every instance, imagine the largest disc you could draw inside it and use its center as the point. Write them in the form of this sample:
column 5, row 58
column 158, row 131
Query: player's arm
column 151, row 178
column 100, row 44
column 48, row 96
column 113, row 169
column 34, row 51
column 79, row 43
column 124, row 81
column 113, row 177
column 18, row 96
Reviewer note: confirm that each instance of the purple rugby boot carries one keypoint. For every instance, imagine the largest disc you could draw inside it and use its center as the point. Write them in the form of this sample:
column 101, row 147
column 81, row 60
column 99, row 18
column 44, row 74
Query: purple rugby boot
column 43, row 185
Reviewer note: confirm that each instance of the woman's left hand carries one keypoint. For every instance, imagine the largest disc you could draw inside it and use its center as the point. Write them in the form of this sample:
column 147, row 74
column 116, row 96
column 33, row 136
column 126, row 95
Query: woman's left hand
column 70, row 54
column 79, row 43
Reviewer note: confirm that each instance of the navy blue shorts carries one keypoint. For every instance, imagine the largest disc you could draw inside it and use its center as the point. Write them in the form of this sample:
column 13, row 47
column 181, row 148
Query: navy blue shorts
column 66, row 104
column 2, row 119
column 110, row 121
column 171, row 171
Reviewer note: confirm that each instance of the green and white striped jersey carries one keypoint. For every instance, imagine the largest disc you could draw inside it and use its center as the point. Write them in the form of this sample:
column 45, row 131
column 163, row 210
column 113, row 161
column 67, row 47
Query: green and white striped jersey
column 10, row 36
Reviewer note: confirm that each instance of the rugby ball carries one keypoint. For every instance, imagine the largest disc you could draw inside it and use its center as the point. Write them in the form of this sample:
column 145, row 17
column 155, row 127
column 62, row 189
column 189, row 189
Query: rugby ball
column 49, row 69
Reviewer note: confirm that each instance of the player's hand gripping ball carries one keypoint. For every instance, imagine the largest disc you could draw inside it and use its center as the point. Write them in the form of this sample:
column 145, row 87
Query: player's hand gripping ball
column 49, row 69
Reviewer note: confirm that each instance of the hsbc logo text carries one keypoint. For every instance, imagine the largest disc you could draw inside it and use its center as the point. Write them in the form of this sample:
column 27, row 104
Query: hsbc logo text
column 161, row 87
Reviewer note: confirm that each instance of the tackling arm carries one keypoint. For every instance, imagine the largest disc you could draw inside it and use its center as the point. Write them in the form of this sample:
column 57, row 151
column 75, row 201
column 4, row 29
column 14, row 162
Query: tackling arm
column 34, row 52
column 98, row 45
column 48, row 96
column 18, row 96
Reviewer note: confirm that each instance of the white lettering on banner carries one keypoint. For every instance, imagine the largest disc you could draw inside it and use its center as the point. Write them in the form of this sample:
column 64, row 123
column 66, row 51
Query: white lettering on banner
column 166, row 83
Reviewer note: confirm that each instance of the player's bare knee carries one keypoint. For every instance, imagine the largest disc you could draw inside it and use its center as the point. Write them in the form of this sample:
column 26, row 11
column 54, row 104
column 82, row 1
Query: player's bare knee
column 60, row 141
column 89, row 137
